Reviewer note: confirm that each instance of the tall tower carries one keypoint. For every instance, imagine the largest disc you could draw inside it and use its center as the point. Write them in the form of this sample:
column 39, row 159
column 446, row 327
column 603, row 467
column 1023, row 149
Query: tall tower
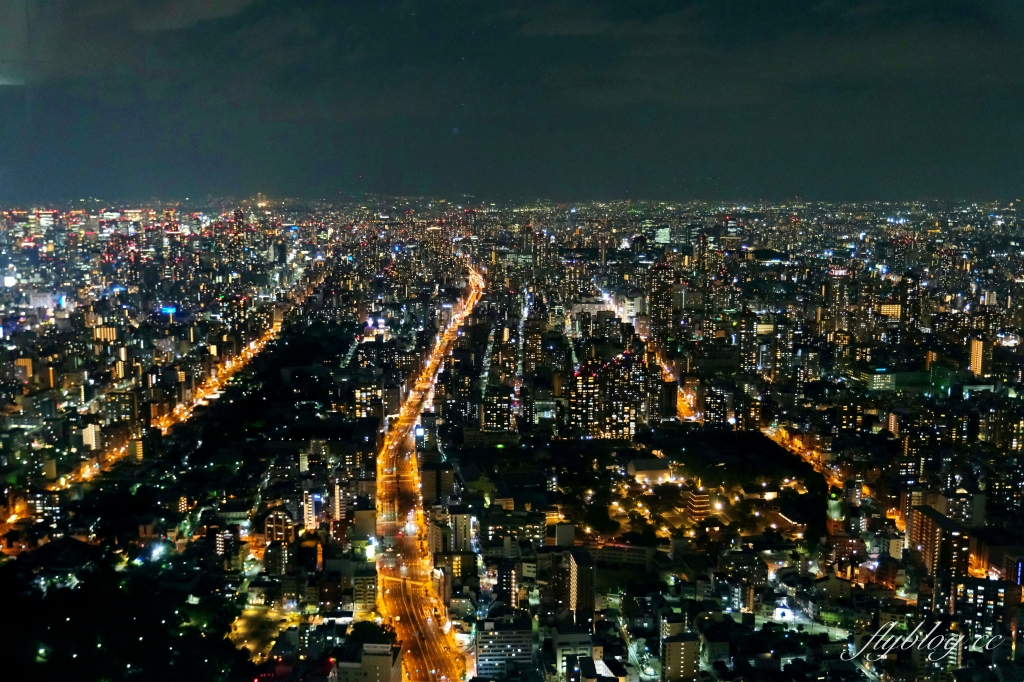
column 496, row 413
column 910, row 300
column 582, row 586
column 584, row 402
column 839, row 299
column 748, row 342
column 659, row 304
column 981, row 356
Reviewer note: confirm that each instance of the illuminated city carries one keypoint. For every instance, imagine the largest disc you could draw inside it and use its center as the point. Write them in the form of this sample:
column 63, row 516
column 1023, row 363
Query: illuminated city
column 511, row 342
column 486, row 440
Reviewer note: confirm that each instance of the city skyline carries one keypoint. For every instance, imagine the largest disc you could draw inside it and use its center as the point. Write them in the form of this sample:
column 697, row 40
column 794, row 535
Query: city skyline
column 560, row 341
column 423, row 439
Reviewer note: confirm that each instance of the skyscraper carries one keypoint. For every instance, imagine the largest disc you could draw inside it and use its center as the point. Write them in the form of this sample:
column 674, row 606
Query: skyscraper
column 437, row 480
column 507, row 588
column 910, row 300
column 462, row 533
column 659, row 304
column 748, row 342
column 680, row 656
column 985, row 607
column 496, row 414
column 312, row 509
column 945, row 546
column 584, row 402
column 582, row 586
column 669, row 400
column 619, row 402
column 981, row 356
column 503, row 641
column 718, row 407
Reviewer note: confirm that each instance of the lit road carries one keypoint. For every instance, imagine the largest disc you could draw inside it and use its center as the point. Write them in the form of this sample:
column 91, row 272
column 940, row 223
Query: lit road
column 183, row 411
column 406, row 596
column 811, row 456
column 105, row 460
column 685, row 399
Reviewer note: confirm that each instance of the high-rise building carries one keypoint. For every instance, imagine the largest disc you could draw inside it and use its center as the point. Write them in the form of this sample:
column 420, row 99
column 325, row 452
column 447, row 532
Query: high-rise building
column 910, row 466
column 718, row 410
column 584, row 324
column 92, row 437
column 364, row 588
column 966, row 508
column 507, row 587
column 680, row 657
column 496, row 414
column 314, row 454
column 462, row 531
column 437, row 482
column 339, row 503
column 838, row 299
column 502, row 642
column 750, row 417
column 659, row 304
column 619, row 399
column 980, row 356
column 582, row 586
column 569, row 644
column 275, row 558
column 369, row 399
column 439, row 537
column 910, row 300
column 782, row 351
column 123, row 406
column 312, row 509
column 669, row 400
column 44, row 505
column 426, row 433
column 985, row 607
column 584, row 402
column 224, row 541
column 533, row 346
column 364, row 521
column 702, row 255
column 24, row 365
column 607, row 326
column 944, row 544
column 748, row 342
column 652, row 388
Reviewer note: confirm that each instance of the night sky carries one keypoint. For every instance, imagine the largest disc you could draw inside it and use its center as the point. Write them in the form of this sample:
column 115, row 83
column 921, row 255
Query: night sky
column 745, row 99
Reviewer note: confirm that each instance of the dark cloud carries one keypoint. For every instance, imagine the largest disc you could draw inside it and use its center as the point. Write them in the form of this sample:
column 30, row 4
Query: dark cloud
column 645, row 98
column 144, row 15
column 169, row 15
